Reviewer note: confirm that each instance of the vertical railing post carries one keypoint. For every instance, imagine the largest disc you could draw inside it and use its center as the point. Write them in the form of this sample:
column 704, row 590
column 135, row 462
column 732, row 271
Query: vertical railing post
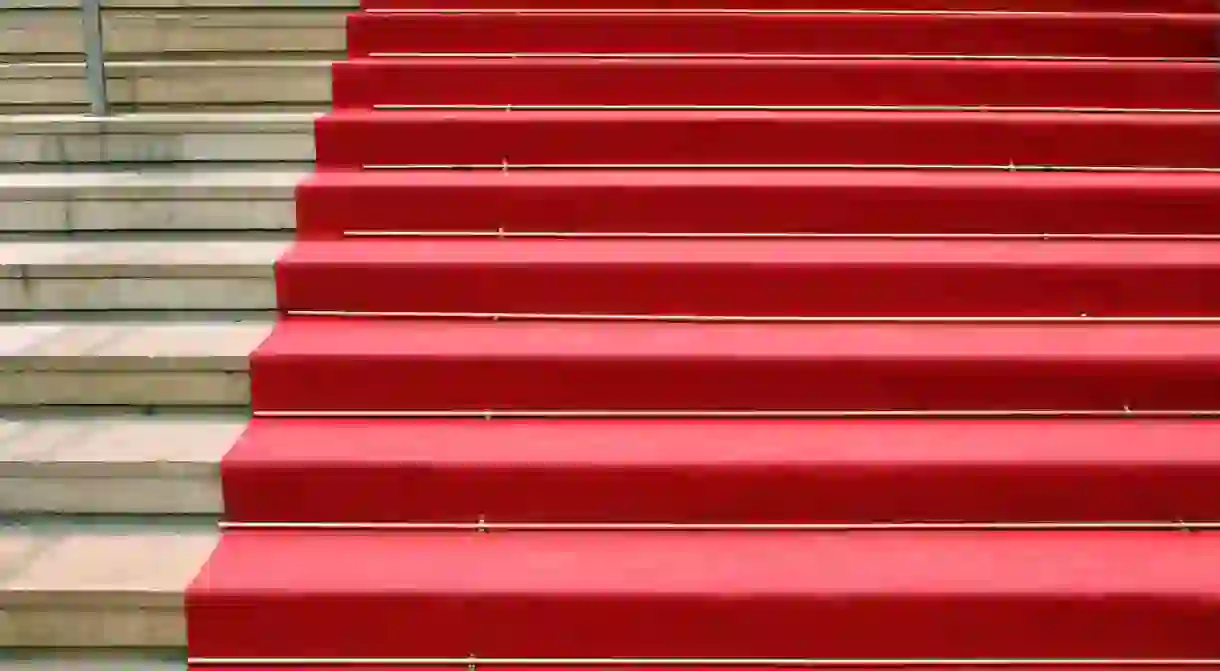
column 95, row 57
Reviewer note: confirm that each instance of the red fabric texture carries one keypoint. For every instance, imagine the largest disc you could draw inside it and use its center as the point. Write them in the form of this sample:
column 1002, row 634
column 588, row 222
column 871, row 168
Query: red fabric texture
column 1138, row 6
column 755, row 277
column 722, row 471
column 994, row 34
column 963, row 595
column 361, row 83
column 782, row 201
column 728, row 594
column 355, row 138
column 436, row 365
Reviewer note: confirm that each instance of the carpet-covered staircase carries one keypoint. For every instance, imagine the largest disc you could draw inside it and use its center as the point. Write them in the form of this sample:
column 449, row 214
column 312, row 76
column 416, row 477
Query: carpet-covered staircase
column 771, row 333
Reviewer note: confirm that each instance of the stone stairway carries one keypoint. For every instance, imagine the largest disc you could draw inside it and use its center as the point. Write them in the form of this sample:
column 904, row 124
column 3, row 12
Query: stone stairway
column 136, row 274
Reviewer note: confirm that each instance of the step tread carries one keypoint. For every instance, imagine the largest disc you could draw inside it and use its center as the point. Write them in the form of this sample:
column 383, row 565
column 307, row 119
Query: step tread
column 370, row 339
column 1182, row 6
column 147, row 465
column 69, row 588
column 108, row 260
column 159, row 123
column 113, row 447
column 195, row 181
column 711, row 471
column 150, row 566
column 796, row 117
column 523, row 252
column 1169, row 564
column 129, row 346
column 600, row 444
column 863, row 179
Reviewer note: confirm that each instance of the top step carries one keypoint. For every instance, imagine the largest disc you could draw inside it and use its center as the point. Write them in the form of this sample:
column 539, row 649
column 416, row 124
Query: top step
column 1152, row 6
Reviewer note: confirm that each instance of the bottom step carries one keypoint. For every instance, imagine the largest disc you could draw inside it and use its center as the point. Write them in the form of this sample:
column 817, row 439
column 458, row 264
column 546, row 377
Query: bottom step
column 736, row 595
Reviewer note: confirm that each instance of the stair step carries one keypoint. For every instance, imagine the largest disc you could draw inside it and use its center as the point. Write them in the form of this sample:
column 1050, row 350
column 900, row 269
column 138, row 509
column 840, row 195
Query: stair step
column 1176, row 7
column 178, row 199
column 1100, row 34
column 96, row 587
column 125, row 466
column 392, row 365
column 841, row 202
column 132, row 365
column 33, row 139
column 860, row 278
column 721, row 471
column 363, row 83
column 136, row 275
column 721, row 595
column 264, row 85
column 357, row 138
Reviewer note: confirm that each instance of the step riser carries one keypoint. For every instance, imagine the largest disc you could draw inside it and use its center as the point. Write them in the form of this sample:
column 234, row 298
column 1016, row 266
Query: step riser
column 744, row 383
column 427, row 138
column 937, row 626
column 429, row 81
column 136, row 275
column 717, row 472
column 59, row 140
column 164, row 86
column 85, row 591
column 137, row 366
column 1081, row 35
column 655, row 287
column 154, row 203
column 861, row 203
column 137, row 293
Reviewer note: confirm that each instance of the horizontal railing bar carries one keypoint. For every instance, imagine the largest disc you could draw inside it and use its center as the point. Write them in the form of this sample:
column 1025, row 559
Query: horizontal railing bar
column 507, row 235
column 508, row 167
column 472, row 662
column 763, row 319
column 490, row 414
column 509, row 107
column 792, row 56
column 485, row 526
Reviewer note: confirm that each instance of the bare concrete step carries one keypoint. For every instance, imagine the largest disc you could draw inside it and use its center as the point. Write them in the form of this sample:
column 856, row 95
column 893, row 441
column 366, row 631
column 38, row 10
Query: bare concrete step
column 135, row 33
column 90, row 660
column 267, row 85
column 130, row 466
column 157, row 138
column 149, row 200
column 98, row 588
column 139, row 275
column 148, row 366
column 350, row 5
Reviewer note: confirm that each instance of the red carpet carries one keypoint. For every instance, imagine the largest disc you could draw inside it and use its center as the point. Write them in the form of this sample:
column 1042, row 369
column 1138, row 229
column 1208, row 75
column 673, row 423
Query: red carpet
column 716, row 471
column 579, row 290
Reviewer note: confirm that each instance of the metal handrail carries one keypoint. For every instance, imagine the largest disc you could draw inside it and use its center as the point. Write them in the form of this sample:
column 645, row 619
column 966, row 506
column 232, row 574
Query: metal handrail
column 95, row 57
